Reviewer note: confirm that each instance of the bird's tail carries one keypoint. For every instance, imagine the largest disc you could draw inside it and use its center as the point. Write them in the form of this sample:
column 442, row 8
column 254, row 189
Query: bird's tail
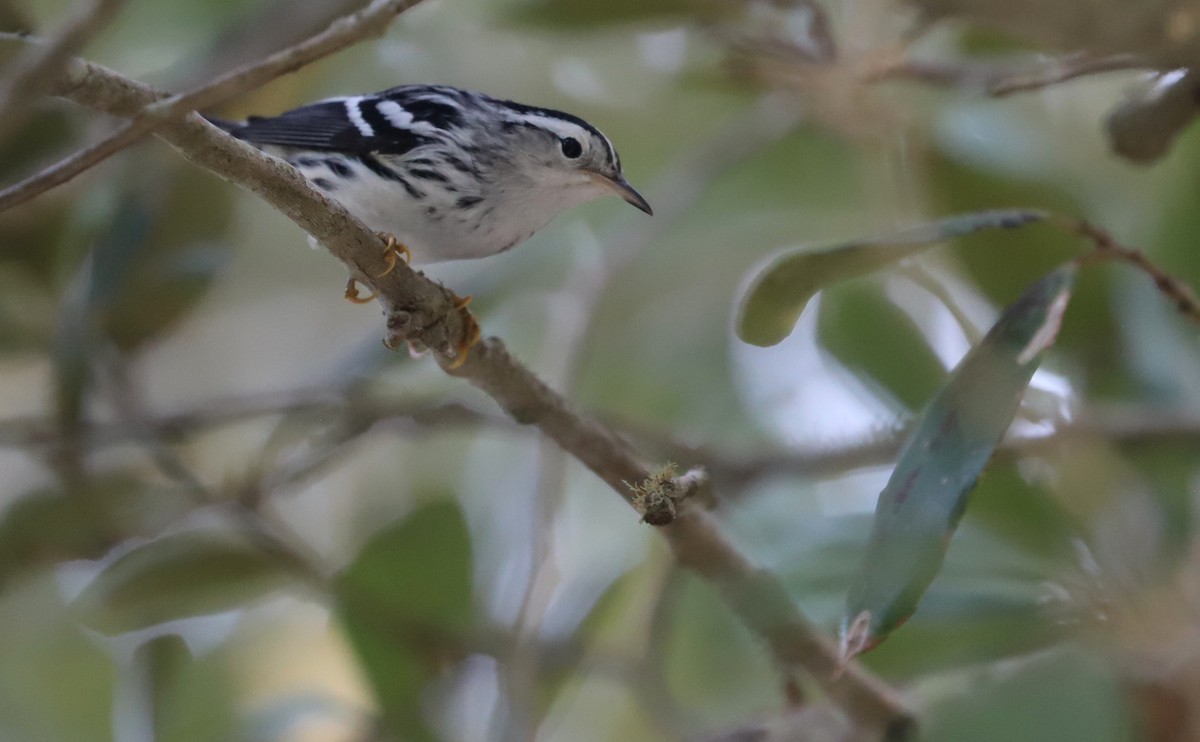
column 225, row 125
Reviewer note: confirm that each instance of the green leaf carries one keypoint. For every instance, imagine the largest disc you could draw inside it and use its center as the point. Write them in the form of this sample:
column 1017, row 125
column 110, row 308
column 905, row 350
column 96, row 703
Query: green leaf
column 178, row 576
column 190, row 699
column 1025, row 515
column 167, row 288
column 1072, row 694
column 875, row 340
column 49, row 525
column 712, row 661
column 779, row 292
column 58, row 682
column 404, row 600
column 161, row 253
column 926, row 495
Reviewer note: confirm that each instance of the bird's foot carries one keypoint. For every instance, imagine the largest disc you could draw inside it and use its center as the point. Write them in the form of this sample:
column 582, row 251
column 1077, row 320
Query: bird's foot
column 406, row 326
column 471, row 331
column 352, row 294
column 393, row 251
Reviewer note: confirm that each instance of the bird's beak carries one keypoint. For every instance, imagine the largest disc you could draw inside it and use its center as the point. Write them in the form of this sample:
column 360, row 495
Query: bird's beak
column 618, row 185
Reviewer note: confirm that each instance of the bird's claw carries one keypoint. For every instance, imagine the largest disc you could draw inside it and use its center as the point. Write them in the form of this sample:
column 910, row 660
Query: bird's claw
column 471, row 331
column 393, row 251
column 352, row 294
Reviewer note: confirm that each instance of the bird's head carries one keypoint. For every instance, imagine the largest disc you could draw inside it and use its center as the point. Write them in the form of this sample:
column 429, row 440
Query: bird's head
column 561, row 151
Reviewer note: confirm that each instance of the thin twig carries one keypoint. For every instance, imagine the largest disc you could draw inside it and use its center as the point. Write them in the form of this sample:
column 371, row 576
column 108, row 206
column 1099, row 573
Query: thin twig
column 263, row 29
column 344, row 32
column 273, row 539
column 733, row 471
column 1176, row 291
column 37, row 431
column 1063, row 70
column 41, row 63
column 1002, row 80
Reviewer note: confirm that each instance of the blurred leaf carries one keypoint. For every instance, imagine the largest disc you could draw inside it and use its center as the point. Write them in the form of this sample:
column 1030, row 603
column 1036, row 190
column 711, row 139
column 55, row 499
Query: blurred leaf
column 26, row 305
column 1025, row 514
column 1164, row 32
column 72, row 350
column 148, row 267
column 926, row 495
column 998, row 264
column 1172, row 469
column 1145, row 125
column 44, row 135
column 56, row 682
column 780, row 291
column 32, row 236
column 874, row 339
column 167, row 288
column 160, row 253
column 1158, row 346
column 583, row 15
column 191, row 700
column 965, row 623
column 983, row 42
column 1063, row 696
column 716, row 667
column 47, row 526
column 13, row 19
column 1001, row 266
column 179, row 576
column 417, row 570
column 988, row 602
column 1173, row 216
column 403, row 600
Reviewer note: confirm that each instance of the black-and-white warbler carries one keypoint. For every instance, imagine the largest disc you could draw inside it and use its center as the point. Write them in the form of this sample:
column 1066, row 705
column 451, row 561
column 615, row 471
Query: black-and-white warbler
column 449, row 173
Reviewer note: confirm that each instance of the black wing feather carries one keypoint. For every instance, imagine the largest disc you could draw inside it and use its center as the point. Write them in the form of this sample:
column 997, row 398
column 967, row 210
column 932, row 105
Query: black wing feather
column 326, row 126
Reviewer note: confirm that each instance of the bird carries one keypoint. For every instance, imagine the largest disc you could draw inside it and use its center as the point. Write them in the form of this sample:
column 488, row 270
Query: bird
column 443, row 173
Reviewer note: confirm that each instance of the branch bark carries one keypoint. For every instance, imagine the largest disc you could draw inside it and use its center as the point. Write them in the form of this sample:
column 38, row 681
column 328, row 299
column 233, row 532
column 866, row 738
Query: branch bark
column 41, row 63
column 421, row 310
column 371, row 21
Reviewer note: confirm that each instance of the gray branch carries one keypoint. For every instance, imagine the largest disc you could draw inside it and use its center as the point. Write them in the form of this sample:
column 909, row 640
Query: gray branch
column 342, row 33
column 40, row 63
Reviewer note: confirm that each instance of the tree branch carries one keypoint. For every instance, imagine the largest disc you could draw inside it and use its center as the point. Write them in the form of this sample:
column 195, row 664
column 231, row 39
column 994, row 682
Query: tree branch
column 41, row 63
column 1003, row 80
column 419, row 309
column 263, row 29
column 371, row 21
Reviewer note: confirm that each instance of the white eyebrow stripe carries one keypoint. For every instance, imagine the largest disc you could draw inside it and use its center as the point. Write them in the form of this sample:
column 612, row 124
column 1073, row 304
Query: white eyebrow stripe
column 356, row 117
column 563, row 128
column 555, row 126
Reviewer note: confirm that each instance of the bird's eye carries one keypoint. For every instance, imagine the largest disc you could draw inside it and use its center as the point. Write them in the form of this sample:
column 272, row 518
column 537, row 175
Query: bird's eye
column 571, row 147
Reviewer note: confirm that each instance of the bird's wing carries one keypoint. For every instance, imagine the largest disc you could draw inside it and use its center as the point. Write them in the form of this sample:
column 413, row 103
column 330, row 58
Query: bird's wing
column 359, row 124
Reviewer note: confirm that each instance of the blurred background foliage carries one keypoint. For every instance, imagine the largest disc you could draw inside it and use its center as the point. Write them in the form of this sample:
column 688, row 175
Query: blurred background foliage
column 227, row 513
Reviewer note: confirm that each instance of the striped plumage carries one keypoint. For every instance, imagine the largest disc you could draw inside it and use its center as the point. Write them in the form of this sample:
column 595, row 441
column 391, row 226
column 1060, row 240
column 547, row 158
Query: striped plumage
column 450, row 173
